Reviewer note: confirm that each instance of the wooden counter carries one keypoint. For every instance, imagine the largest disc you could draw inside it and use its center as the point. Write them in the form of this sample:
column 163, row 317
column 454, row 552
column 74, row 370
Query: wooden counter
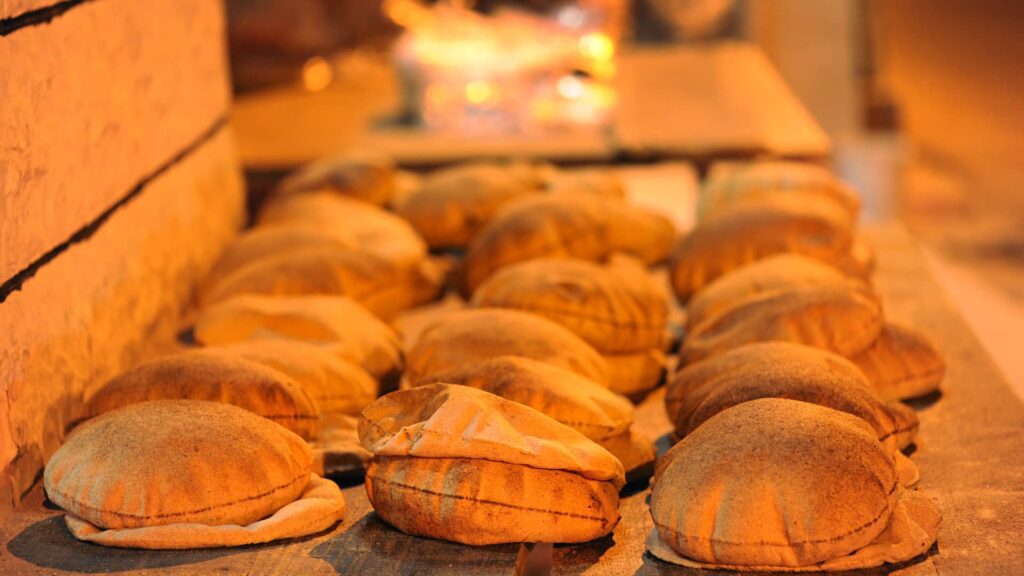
column 970, row 455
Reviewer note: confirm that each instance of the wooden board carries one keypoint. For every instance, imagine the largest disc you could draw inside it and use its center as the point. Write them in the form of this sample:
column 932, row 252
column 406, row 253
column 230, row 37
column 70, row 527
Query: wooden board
column 969, row 454
column 710, row 101
column 720, row 100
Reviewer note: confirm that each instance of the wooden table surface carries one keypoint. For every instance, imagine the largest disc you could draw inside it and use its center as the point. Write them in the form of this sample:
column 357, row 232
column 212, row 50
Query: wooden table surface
column 710, row 101
column 969, row 453
column 718, row 100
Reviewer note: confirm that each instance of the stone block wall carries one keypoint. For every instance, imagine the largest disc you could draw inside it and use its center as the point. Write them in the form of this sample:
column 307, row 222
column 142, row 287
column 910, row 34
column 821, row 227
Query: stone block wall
column 119, row 186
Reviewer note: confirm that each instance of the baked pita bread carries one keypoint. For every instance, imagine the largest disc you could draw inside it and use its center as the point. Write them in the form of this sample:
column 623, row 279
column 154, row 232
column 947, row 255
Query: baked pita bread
column 581, row 226
column 758, row 228
column 730, row 183
column 767, row 276
column 565, row 396
column 448, row 460
column 365, row 175
column 379, row 285
column 634, row 374
column 195, row 375
column 336, row 323
column 844, row 317
column 583, row 405
column 262, row 242
column 452, row 204
column 466, row 336
column 615, row 309
column 902, row 363
column 776, row 484
column 379, row 233
column 187, row 474
column 337, row 386
column 783, row 370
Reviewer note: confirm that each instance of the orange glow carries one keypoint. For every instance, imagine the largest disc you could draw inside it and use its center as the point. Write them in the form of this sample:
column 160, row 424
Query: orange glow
column 407, row 13
column 317, row 74
column 597, row 46
column 479, row 91
column 570, row 87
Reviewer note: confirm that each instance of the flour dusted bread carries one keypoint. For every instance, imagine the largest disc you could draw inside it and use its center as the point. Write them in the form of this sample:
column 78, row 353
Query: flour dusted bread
column 902, row 363
column 460, row 464
column 188, row 474
column 783, row 370
column 366, row 175
column 466, row 336
column 379, row 285
column 582, row 226
column 762, row 278
column 615, row 309
column 452, row 204
column 195, row 375
column 565, row 396
column 775, row 484
column 337, row 386
column 336, row 323
column 758, row 228
column 262, row 242
column 111, row 467
column 730, row 183
column 634, row 374
column 378, row 232
column 573, row 400
column 836, row 314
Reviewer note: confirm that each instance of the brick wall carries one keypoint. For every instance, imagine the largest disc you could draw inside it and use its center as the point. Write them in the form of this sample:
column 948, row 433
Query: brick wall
column 118, row 188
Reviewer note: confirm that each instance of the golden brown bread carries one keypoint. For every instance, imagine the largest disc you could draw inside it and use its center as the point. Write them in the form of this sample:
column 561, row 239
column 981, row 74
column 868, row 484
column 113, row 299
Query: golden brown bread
column 780, row 484
column 581, row 226
column 599, row 414
column 452, row 204
column 756, row 229
column 381, row 286
column 462, row 464
column 337, row 386
column 177, row 461
column 613, row 309
column 466, row 336
column 195, row 375
column 320, row 506
column 261, row 242
column 902, row 363
column 451, row 421
column 731, row 182
column 366, row 175
column 634, row 374
column 843, row 316
column 783, row 370
column 379, row 233
column 565, row 396
column 764, row 277
column 335, row 323
column 480, row 502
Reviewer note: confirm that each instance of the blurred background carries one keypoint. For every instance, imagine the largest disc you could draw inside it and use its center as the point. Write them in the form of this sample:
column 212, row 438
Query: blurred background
column 919, row 99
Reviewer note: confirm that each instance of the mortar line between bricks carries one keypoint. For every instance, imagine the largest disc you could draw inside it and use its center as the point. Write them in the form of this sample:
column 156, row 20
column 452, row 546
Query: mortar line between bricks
column 43, row 15
column 15, row 283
